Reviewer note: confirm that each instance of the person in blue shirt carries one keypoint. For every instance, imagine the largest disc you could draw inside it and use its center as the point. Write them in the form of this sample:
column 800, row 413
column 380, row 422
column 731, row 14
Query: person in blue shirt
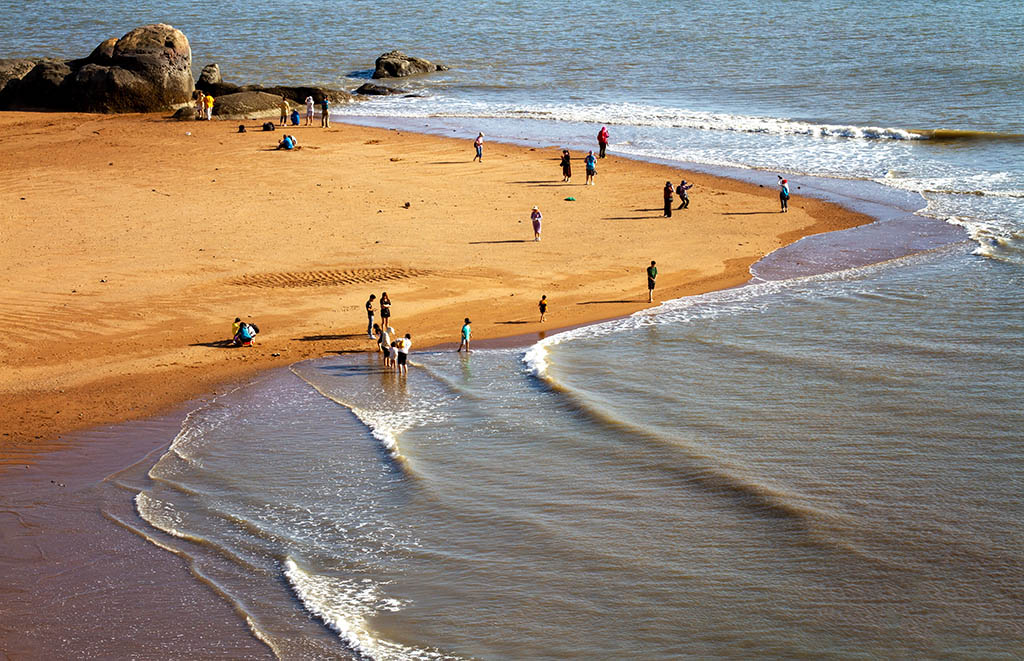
column 591, row 164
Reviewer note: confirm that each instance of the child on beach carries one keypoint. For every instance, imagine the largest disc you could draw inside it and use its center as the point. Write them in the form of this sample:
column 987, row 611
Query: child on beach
column 784, row 195
column 309, row 110
column 535, row 218
column 392, row 355
column 591, row 164
column 466, row 332
column 404, row 345
column 684, row 199
column 245, row 335
column 479, row 144
column 668, row 193
column 543, row 306
column 566, row 166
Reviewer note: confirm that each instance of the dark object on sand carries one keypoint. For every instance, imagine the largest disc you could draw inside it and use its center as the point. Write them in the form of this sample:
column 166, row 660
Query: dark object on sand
column 241, row 128
column 268, row 126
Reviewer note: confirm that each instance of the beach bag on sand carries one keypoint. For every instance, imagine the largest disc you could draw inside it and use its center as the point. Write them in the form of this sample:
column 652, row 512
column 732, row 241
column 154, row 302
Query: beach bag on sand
column 241, row 128
column 268, row 126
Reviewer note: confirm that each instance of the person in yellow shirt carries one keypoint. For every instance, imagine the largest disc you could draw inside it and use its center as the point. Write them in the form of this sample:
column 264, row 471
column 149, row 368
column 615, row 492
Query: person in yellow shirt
column 209, row 107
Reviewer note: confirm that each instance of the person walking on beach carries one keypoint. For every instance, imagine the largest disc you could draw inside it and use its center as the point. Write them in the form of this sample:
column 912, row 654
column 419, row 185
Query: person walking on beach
column 602, row 140
column 466, row 332
column 404, row 345
column 309, row 110
column 535, row 218
column 325, row 113
column 684, row 199
column 652, row 275
column 543, row 307
column 668, row 198
column 208, row 102
column 385, row 309
column 479, row 145
column 566, row 166
column 369, row 314
column 591, row 164
column 783, row 195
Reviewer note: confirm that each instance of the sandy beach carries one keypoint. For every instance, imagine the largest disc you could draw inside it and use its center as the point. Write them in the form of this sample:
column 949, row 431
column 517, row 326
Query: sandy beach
column 130, row 244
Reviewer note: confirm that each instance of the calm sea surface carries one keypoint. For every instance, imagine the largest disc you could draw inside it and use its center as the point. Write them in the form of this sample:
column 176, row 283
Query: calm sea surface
column 826, row 462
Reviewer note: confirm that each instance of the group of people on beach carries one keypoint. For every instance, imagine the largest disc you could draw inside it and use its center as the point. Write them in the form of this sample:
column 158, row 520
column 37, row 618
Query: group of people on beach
column 680, row 190
column 203, row 105
column 291, row 114
column 395, row 349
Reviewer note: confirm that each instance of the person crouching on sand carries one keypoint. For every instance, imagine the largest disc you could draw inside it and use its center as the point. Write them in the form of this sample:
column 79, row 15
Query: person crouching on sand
column 535, row 218
column 246, row 334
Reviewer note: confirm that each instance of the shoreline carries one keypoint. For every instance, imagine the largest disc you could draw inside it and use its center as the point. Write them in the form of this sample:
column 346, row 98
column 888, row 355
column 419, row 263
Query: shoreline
column 133, row 339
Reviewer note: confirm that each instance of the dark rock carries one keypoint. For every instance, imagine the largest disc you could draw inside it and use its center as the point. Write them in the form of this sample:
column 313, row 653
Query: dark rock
column 16, row 68
column 209, row 76
column 299, row 93
column 146, row 70
column 397, row 64
column 247, row 105
column 377, row 90
column 185, row 114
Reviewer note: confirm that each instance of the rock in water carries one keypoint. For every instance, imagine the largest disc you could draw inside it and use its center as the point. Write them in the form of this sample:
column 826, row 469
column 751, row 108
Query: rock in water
column 147, row 70
column 377, row 90
column 209, row 76
column 397, row 64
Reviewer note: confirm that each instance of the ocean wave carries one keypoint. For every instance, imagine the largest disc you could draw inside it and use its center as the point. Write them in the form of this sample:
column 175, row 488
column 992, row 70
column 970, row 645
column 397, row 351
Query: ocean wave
column 631, row 114
column 345, row 605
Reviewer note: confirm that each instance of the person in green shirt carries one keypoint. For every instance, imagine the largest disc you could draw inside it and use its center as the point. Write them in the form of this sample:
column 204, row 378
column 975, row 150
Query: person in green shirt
column 466, row 332
column 652, row 274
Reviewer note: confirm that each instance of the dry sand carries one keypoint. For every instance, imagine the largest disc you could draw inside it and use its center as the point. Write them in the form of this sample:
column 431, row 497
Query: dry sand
column 130, row 243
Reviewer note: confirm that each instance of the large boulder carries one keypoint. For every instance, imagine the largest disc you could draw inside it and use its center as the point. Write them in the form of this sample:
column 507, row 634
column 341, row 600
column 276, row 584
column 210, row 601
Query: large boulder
column 149, row 69
column 298, row 93
column 397, row 64
column 247, row 105
column 210, row 75
column 16, row 68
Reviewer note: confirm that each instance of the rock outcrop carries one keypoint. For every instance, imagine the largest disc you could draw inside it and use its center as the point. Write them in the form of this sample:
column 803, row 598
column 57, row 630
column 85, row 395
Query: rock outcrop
column 247, row 105
column 397, row 64
column 147, row 70
column 371, row 89
column 210, row 75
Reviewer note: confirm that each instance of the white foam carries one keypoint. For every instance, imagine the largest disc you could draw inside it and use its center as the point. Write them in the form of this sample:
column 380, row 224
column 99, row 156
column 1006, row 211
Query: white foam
column 345, row 605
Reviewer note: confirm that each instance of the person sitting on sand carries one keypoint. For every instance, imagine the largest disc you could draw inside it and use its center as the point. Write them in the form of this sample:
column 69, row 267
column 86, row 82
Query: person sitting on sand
column 288, row 142
column 246, row 334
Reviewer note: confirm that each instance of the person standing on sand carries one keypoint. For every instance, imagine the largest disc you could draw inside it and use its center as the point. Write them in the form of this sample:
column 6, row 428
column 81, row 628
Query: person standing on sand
column 385, row 309
column 668, row 198
column 284, row 110
column 535, row 218
column 208, row 102
column 369, row 314
column 309, row 110
column 466, row 332
column 591, row 163
column 479, row 145
column 543, row 307
column 325, row 113
column 566, row 166
column 404, row 345
column 652, row 275
column 784, row 195
column 200, row 99
column 602, row 140
column 684, row 199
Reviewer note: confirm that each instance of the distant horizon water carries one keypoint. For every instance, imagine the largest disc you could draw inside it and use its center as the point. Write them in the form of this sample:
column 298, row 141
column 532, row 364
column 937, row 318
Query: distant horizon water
column 824, row 463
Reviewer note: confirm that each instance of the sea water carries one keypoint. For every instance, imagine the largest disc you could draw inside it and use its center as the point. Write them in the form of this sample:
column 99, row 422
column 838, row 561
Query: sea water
column 823, row 463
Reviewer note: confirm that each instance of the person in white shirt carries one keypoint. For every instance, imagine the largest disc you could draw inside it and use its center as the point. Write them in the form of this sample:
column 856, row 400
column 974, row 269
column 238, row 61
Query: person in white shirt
column 309, row 111
column 404, row 345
